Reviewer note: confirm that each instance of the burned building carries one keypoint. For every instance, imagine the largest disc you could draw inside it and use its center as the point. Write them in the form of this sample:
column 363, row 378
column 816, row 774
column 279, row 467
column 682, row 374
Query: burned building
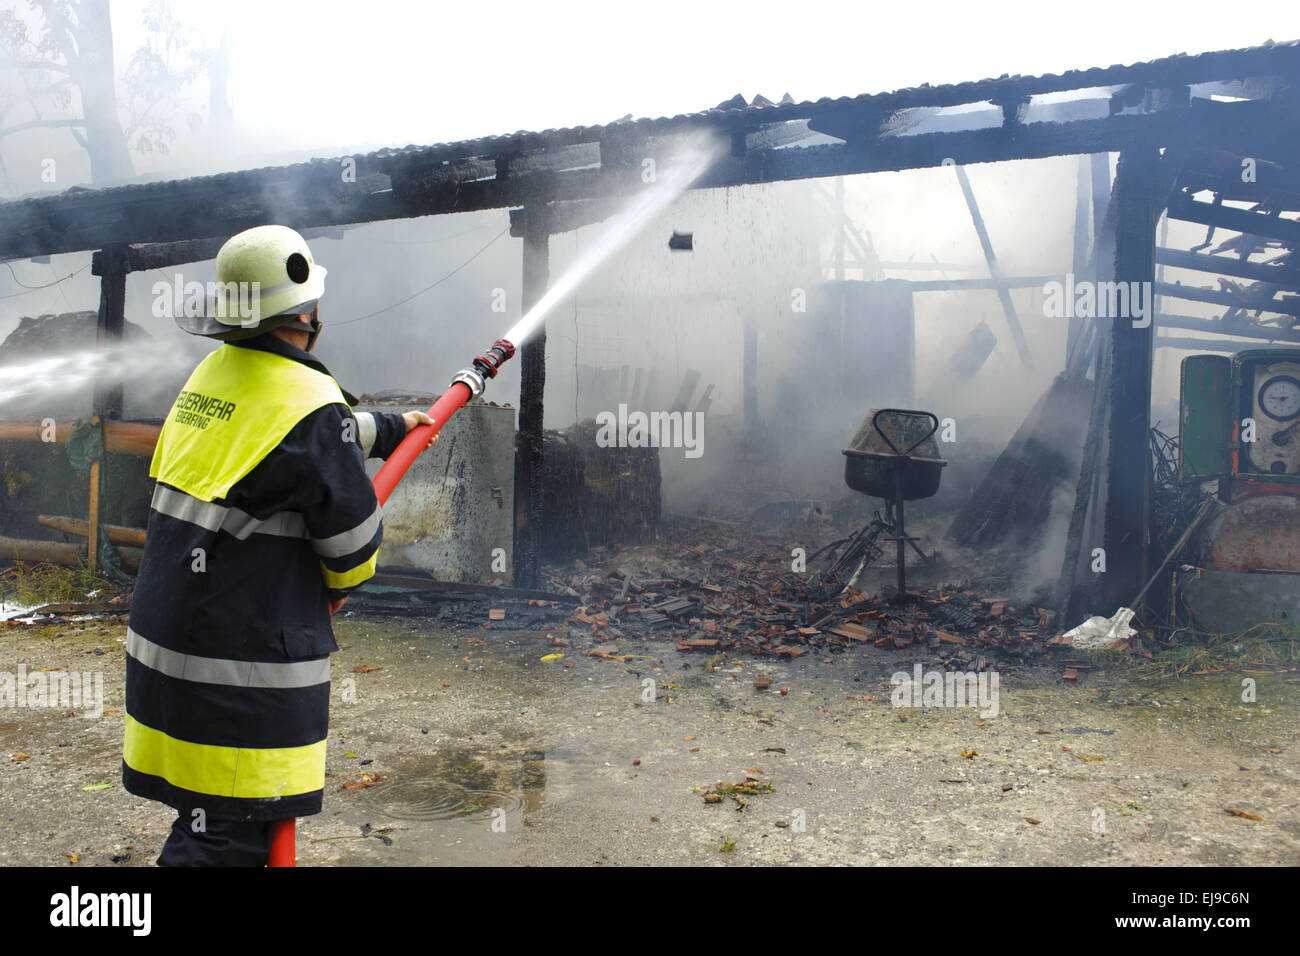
column 1206, row 141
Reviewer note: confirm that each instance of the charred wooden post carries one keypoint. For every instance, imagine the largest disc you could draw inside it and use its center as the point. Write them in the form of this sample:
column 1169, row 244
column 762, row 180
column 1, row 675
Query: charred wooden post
column 110, row 265
column 532, row 384
column 1138, row 203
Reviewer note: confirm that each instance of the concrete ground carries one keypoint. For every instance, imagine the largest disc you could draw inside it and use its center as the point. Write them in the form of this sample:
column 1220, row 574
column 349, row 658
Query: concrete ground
column 487, row 754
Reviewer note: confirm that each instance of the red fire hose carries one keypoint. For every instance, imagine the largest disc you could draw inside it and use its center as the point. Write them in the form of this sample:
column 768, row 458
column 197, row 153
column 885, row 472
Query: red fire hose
column 467, row 385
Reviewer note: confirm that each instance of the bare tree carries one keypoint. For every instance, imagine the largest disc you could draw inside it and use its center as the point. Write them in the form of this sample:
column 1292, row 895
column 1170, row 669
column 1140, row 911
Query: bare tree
column 67, row 49
column 157, row 79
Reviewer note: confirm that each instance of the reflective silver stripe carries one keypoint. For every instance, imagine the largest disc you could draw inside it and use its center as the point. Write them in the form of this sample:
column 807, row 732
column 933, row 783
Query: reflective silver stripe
column 177, row 504
column 286, row 524
column 367, row 431
column 345, row 542
column 276, row 289
column 214, row 670
column 215, row 517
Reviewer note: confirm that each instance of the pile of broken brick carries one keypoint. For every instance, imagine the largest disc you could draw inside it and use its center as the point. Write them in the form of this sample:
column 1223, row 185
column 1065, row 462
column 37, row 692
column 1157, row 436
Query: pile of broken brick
column 714, row 591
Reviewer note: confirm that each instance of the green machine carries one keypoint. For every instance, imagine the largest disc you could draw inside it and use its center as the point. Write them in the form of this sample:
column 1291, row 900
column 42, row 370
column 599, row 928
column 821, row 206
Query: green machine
column 1240, row 424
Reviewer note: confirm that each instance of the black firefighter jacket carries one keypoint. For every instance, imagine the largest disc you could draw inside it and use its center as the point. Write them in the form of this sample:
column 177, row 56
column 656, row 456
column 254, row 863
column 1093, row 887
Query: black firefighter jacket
column 261, row 515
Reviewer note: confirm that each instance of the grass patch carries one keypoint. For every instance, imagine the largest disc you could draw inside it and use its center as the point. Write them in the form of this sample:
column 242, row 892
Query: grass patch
column 45, row 583
column 1264, row 645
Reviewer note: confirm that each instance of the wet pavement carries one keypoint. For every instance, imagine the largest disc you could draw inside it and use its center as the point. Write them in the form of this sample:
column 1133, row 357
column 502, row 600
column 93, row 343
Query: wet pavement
column 463, row 746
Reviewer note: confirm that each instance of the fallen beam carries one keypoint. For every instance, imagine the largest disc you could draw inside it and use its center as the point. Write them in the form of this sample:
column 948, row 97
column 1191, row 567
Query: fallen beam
column 55, row 552
column 1004, row 296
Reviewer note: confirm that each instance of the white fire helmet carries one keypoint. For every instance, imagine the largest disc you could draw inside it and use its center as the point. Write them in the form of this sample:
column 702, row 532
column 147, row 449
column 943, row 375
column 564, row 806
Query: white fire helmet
column 266, row 278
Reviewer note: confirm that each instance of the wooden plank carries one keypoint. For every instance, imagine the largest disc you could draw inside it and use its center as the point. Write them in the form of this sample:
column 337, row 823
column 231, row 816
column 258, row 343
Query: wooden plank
column 124, row 438
column 465, row 587
column 118, row 534
column 55, row 552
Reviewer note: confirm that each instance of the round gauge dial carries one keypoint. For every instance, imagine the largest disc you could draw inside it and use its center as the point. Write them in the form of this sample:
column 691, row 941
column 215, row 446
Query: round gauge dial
column 1279, row 397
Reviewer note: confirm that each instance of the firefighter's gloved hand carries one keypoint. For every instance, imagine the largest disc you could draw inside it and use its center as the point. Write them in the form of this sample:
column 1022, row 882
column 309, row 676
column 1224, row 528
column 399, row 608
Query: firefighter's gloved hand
column 414, row 418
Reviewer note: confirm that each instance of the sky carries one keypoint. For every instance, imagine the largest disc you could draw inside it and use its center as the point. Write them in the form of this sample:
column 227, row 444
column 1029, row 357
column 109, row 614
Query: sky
column 386, row 72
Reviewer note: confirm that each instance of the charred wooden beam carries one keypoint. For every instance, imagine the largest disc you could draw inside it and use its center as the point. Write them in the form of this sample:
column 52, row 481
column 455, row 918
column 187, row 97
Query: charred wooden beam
column 1004, row 296
column 1283, row 275
column 1192, row 344
column 1238, row 329
column 1138, row 202
column 560, row 217
column 530, row 440
column 1234, row 176
column 962, row 285
column 463, row 177
column 108, row 398
column 157, row 255
column 1258, row 301
column 1184, row 207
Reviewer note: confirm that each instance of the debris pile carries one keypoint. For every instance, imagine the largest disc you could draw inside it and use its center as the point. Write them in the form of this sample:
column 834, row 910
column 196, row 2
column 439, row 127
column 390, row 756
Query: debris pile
column 717, row 591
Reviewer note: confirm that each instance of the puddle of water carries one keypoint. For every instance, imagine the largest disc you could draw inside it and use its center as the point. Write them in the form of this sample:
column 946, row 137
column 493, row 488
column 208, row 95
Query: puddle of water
column 464, row 786
column 433, row 800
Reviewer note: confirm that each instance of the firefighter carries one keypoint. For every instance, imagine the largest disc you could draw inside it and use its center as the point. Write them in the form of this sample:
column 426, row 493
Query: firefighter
column 262, row 518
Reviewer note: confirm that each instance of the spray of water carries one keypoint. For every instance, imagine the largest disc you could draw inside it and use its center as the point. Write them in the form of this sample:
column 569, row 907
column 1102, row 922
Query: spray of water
column 687, row 165
column 65, row 372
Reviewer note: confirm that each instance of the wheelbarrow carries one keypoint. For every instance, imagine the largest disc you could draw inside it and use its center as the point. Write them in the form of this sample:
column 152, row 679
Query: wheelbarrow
column 893, row 456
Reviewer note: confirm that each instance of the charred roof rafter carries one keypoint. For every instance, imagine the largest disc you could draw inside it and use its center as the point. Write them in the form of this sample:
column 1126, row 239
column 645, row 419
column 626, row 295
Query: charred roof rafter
column 875, row 132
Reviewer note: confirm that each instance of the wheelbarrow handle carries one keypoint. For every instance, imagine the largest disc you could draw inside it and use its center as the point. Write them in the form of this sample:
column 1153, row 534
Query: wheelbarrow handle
column 905, row 411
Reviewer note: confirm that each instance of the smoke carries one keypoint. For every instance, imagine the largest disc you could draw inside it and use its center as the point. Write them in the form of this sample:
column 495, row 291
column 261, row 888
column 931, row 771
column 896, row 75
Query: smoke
column 1040, row 574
